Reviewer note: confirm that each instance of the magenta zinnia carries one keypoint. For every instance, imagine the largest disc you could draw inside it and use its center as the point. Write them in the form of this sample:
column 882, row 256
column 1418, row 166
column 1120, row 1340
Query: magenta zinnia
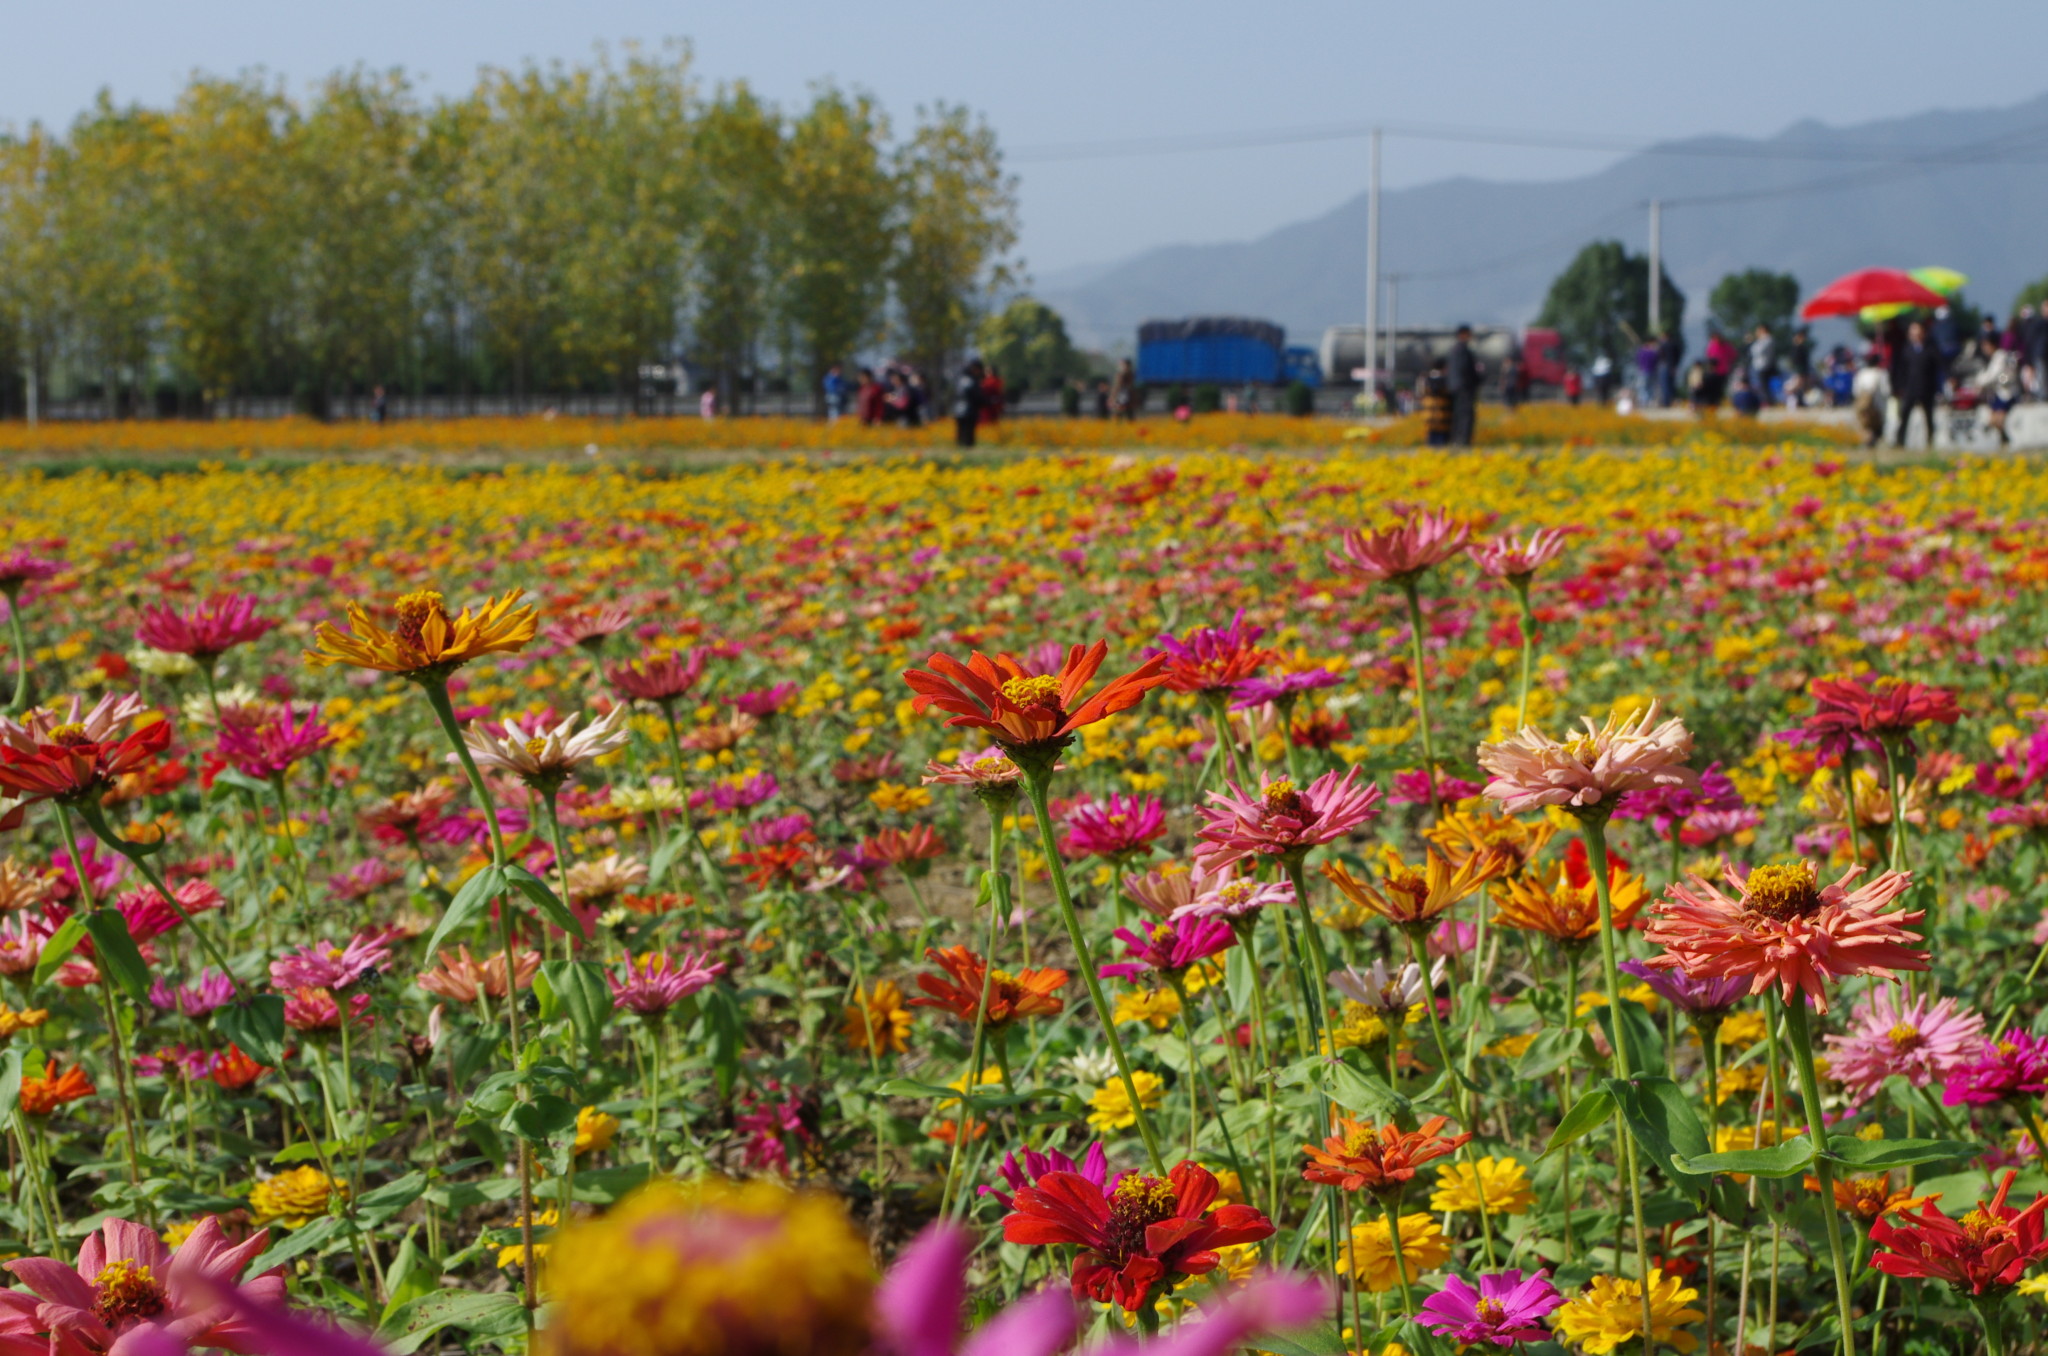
column 653, row 983
column 207, row 630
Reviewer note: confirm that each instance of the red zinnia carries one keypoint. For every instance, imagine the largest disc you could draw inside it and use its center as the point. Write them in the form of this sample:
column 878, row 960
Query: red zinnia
column 1881, row 707
column 1990, row 1248
column 208, row 631
column 1138, row 1235
column 1358, row 1158
column 69, row 765
column 1026, row 711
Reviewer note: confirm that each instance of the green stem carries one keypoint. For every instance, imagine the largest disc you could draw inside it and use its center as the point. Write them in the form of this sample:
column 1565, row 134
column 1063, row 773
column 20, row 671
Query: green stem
column 707, row 867
column 1393, row 1212
column 1520, row 584
column 1594, row 830
column 1895, row 787
column 1036, row 784
column 1412, row 589
column 1823, row 1167
column 1463, row 1094
column 20, row 699
column 291, row 843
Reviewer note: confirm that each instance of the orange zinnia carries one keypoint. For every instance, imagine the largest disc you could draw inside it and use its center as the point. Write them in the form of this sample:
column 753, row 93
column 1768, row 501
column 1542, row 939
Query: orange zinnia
column 427, row 640
column 1415, row 899
column 1466, row 833
column 1563, row 911
column 41, row 1096
column 1028, row 993
column 1360, row 1158
column 1869, row 1198
column 1028, row 712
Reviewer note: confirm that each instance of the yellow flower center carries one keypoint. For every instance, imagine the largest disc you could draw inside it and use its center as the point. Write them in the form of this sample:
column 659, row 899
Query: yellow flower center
column 1162, row 933
column 991, row 766
column 1043, row 690
column 69, row 735
column 1490, row 1311
column 126, row 1290
column 1782, row 892
column 1905, row 1036
column 1282, row 798
column 1237, row 892
column 536, row 746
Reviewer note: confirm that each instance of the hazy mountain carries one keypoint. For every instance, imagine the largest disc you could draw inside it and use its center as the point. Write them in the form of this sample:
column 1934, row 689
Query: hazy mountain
column 1486, row 252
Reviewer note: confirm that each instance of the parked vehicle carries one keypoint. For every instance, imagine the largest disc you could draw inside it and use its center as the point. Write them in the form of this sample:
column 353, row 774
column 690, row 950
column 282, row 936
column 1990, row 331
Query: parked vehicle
column 1218, row 350
column 1413, row 349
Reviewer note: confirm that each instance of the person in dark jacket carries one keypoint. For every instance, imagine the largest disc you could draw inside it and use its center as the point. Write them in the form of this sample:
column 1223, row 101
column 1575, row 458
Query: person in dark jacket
column 1462, row 376
column 967, row 402
column 1918, row 374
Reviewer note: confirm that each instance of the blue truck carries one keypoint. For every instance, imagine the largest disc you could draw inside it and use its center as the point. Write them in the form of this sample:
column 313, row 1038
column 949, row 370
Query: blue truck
column 1223, row 350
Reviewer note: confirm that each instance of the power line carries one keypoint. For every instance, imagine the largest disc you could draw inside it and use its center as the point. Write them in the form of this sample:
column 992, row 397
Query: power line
column 1876, row 153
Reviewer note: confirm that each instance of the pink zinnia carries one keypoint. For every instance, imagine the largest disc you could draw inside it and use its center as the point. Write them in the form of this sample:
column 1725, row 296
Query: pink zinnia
column 1282, row 821
column 1505, row 558
column 653, row 983
column 1213, row 658
column 590, row 628
column 148, row 914
column 1117, row 828
column 661, row 679
column 1783, row 927
column 1227, row 895
column 1403, row 551
column 1169, row 947
column 1531, row 770
column 206, row 632
column 764, row 702
column 317, row 1010
column 127, row 1279
column 22, row 566
column 1920, row 1039
column 2013, row 1067
column 266, row 745
column 327, row 966
column 213, row 990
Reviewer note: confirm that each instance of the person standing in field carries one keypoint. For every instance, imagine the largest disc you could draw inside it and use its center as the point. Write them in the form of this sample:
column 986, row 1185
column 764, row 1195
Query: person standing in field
column 1462, row 375
column 993, row 395
column 835, row 393
column 1433, row 394
column 967, row 402
column 1123, row 391
column 1918, row 374
column 869, row 399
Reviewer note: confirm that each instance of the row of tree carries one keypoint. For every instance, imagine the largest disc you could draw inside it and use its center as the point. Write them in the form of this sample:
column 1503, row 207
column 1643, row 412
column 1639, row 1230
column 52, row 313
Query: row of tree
column 553, row 230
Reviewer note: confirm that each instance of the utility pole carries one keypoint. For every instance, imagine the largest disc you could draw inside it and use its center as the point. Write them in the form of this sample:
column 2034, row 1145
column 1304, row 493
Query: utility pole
column 28, row 349
column 1372, row 272
column 1656, row 263
column 1394, row 329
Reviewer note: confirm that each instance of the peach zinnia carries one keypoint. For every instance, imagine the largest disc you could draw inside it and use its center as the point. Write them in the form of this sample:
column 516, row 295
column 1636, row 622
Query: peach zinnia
column 1783, row 927
column 1589, row 773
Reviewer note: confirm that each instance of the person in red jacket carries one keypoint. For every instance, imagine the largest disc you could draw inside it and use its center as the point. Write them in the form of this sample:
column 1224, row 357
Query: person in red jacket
column 869, row 398
column 992, row 395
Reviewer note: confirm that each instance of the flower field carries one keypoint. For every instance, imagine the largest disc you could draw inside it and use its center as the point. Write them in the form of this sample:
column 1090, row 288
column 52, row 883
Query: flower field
column 1547, row 899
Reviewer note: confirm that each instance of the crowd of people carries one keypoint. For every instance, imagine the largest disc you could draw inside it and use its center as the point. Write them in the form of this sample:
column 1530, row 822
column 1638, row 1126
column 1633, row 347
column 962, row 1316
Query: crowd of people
column 1908, row 365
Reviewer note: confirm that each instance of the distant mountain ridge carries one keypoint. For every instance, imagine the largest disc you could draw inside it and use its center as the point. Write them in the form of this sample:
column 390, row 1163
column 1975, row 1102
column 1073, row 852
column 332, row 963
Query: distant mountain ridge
column 1485, row 252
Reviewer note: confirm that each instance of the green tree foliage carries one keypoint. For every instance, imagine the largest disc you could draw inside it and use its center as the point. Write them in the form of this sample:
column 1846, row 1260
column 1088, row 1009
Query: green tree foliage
column 1600, row 304
column 1028, row 341
column 1742, row 301
column 550, row 231
column 959, row 220
column 2033, row 294
column 834, row 249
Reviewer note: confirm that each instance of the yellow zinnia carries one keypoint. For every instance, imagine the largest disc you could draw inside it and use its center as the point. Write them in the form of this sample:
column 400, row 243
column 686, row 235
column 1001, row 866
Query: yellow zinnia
column 1112, row 1105
column 1502, row 1182
column 1610, row 1313
column 427, row 640
column 294, row 1198
column 1370, row 1257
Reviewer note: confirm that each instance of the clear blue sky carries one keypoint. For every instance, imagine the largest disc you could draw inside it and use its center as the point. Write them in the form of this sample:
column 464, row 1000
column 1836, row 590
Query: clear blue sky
column 1055, row 72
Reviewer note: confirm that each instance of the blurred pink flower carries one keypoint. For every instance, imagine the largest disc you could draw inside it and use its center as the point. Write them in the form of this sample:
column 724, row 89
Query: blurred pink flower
column 1403, row 551
column 1531, row 770
column 1282, row 821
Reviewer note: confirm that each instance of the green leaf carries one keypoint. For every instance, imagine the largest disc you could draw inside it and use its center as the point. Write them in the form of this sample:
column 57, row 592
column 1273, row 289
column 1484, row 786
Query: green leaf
column 115, row 953
column 10, row 1081
column 375, row 1207
column 664, row 857
column 305, row 1151
column 469, row 903
column 537, row 1120
column 1322, row 1340
column 581, row 991
column 256, row 1024
column 407, row 1329
column 1588, row 1114
column 59, row 948
column 1661, row 1120
column 410, row 1275
column 1548, row 1052
column 241, row 781
column 1895, row 1153
column 1368, row 1094
column 728, row 1030
column 1789, row 1159
column 546, row 900
column 317, row 1234
column 1639, row 1029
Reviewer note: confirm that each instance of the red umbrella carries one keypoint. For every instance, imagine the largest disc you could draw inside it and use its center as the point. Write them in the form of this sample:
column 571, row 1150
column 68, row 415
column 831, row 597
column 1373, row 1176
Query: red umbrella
column 1870, row 287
